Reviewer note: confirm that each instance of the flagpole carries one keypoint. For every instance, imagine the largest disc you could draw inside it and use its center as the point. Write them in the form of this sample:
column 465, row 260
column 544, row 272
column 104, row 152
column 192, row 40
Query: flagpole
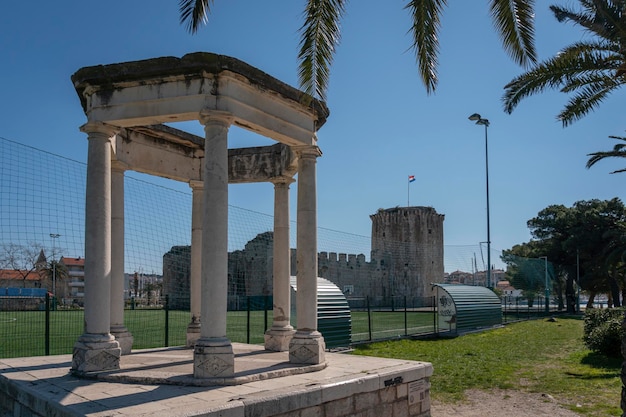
column 408, row 193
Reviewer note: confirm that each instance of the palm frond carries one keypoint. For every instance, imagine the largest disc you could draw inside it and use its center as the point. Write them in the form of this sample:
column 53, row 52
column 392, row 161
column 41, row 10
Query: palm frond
column 564, row 14
column 618, row 151
column 320, row 35
column 581, row 81
column 194, row 13
column 587, row 99
column 576, row 67
column 590, row 69
column 595, row 46
column 426, row 23
column 601, row 17
column 514, row 21
column 552, row 73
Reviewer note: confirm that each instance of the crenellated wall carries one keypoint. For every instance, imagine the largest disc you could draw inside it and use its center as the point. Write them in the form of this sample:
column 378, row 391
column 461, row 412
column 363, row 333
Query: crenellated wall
column 406, row 258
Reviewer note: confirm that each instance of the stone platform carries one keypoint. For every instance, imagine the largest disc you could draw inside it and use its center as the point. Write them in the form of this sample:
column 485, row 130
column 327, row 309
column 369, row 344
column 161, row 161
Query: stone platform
column 160, row 382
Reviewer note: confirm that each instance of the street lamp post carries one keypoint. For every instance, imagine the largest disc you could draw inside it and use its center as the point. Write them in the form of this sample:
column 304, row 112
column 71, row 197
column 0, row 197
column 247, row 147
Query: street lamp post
column 54, row 237
column 547, row 291
column 480, row 121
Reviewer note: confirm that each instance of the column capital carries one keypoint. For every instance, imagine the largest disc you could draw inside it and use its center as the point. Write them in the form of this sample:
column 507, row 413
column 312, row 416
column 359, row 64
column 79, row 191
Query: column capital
column 282, row 180
column 196, row 185
column 206, row 117
column 99, row 127
column 307, row 151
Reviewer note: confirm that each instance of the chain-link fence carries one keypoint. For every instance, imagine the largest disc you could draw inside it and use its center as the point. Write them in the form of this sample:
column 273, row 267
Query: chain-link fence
column 42, row 214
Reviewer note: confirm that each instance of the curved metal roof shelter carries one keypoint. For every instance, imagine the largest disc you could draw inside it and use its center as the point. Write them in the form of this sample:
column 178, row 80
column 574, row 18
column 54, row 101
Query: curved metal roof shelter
column 334, row 319
column 462, row 308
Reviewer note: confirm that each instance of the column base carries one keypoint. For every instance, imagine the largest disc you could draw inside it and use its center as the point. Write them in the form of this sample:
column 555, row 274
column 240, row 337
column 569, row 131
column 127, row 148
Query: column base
column 213, row 357
column 277, row 339
column 307, row 348
column 193, row 332
column 95, row 352
column 123, row 337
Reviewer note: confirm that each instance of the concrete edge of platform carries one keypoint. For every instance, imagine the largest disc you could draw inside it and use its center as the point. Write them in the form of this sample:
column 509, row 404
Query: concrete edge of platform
column 346, row 386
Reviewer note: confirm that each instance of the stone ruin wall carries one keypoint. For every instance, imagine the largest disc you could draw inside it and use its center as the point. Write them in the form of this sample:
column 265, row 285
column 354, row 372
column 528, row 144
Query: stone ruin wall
column 406, row 257
column 347, row 271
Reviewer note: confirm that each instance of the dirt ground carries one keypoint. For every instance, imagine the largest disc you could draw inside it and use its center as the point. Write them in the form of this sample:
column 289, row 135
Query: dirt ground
column 502, row 403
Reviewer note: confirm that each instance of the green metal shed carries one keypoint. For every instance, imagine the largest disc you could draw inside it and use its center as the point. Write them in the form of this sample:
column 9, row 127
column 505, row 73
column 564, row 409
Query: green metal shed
column 461, row 308
column 334, row 320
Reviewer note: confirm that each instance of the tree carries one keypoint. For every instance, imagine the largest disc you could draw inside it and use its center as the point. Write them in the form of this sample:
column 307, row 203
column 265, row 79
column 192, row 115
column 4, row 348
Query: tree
column 23, row 259
column 619, row 151
column 590, row 69
column 528, row 270
column 585, row 234
column 525, row 270
column 55, row 272
column 588, row 235
column 320, row 35
column 615, row 255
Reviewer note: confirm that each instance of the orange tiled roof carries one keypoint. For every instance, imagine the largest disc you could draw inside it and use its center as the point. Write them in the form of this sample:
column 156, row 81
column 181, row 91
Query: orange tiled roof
column 73, row 261
column 11, row 274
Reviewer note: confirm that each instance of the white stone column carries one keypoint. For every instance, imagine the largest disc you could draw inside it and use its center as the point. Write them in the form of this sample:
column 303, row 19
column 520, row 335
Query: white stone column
column 277, row 338
column 118, row 329
column 96, row 349
column 195, row 296
column 213, row 352
column 307, row 345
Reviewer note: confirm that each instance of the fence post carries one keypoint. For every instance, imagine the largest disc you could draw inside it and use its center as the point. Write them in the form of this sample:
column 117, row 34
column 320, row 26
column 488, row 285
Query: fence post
column 167, row 320
column 47, row 325
column 265, row 309
column 435, row 313
column 248, row 320
column 369, row 317
column 406, row 326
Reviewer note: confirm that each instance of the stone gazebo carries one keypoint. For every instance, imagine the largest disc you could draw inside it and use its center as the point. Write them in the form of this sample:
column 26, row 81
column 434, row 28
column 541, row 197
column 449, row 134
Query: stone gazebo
column 126, row 106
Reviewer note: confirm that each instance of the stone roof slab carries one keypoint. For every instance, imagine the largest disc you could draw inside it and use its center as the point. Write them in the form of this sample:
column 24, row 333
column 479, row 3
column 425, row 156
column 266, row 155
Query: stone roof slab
column 170, row 89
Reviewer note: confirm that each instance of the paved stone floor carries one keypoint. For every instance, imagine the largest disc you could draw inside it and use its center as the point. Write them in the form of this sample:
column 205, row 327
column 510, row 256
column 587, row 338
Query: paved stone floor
column 160, row 382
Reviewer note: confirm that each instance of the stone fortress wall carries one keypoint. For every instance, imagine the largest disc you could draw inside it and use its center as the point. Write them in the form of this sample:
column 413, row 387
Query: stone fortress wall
column 406, row 258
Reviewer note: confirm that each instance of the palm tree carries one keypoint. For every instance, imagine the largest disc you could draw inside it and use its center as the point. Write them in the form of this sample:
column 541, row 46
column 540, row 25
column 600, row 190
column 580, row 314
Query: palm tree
column 54, row 270
column 590, row 69
column 619, row 151
column 320, row 35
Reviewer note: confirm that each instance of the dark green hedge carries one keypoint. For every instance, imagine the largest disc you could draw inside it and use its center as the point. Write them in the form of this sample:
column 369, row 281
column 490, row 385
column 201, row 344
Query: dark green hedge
column 603, row 331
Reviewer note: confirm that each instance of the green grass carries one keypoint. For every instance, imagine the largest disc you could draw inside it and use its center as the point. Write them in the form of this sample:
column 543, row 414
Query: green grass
column 535, row 356
column 390, row 324
column 22, row 333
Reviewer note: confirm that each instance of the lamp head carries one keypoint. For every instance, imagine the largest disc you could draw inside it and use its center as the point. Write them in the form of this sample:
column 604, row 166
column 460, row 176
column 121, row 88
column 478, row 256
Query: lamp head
column 479, row 120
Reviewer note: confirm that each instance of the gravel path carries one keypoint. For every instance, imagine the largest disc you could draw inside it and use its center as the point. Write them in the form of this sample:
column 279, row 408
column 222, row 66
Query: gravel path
column 502, row 403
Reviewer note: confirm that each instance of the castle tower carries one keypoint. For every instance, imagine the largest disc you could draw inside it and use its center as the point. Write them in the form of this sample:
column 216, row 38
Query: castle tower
column 407, row 244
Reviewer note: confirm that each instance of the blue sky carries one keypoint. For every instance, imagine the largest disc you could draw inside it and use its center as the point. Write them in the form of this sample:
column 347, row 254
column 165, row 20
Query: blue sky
column 383, row 126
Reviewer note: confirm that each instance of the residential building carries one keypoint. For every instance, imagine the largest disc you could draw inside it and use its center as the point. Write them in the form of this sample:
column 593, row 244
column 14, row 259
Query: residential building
column 71, row 289
column 11, row 278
